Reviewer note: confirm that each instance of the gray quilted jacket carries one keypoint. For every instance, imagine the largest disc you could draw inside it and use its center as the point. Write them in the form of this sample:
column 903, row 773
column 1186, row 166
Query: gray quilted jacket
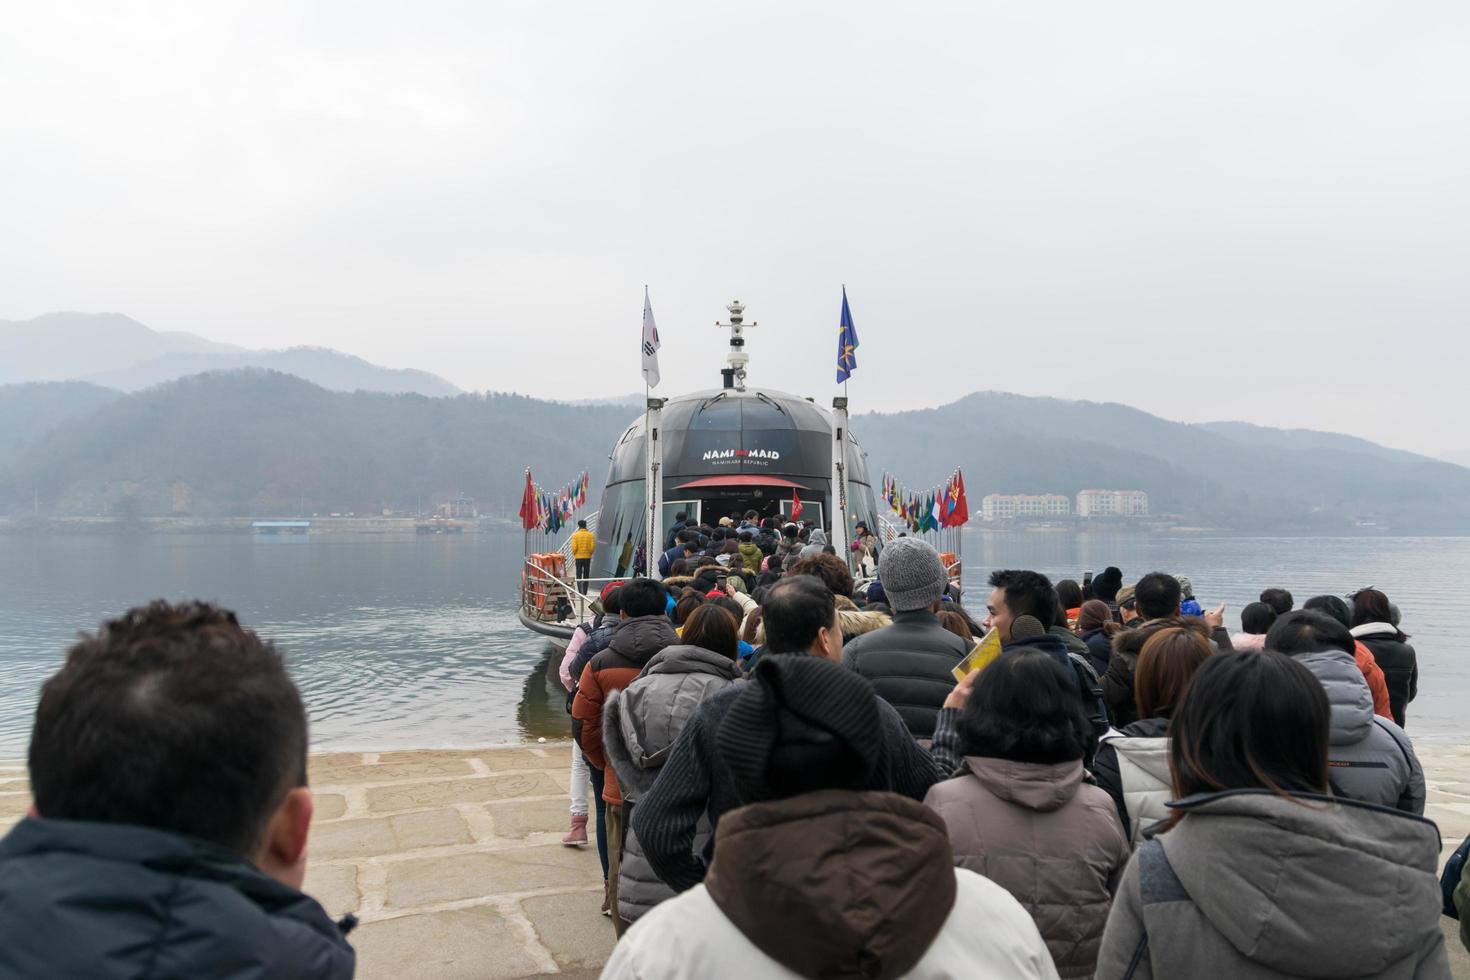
column 1372, row 760
column 639, row 727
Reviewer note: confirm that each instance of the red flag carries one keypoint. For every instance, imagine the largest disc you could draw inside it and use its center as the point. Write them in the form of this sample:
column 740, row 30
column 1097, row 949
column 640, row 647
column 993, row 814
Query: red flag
column 961, row 515
column 529, row 508
column 796, row 507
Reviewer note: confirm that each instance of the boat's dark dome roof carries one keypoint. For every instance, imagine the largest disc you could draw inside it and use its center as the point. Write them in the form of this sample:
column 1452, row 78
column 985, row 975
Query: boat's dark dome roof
column 730, row 431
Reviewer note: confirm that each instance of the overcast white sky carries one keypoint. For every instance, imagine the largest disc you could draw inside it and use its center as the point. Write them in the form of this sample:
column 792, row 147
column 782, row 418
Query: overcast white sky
column 1251, row 210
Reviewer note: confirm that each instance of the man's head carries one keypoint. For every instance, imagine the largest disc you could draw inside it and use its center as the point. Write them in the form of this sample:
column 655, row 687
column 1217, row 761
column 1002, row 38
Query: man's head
column 913, row 577
column 1330, row 605
column 800, row 616
column 1127, row 605
column 1279, row 600
column 643, row 597
column 1158, row 596
column 581, row 525
column 833, row 572
column 1307, row 631
column 174, row 717
column 1015, row 593
column 680, row 517
column 752, row 516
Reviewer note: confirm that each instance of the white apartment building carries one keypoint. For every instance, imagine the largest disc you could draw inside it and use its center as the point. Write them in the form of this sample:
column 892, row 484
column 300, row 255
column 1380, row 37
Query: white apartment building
column 1112, row 503
column 1005, row 507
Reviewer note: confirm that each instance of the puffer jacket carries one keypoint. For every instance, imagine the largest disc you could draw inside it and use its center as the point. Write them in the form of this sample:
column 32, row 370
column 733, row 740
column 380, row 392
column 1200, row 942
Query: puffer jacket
column 1099, row 649
column 1074, row 643
column 107, row 901
column 910, row 664
column 1254, row 886
column 1117, row 682
column 751, row 557
column 635, row 642
column 1132, row 766
column 1397, row 660
column 639, row 726
column 1372, row 759
column 1373, row 674
column 834, row 884
column 1046, row 837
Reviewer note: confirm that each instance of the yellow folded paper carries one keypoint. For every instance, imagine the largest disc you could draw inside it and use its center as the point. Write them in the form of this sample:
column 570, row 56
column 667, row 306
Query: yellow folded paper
column 985, row 651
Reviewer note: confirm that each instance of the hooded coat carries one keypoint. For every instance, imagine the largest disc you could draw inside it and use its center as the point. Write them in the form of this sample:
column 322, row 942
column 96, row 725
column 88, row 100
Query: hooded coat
column 1252, row 886
column 633, row 644
column 834, row 884
column 1046, row 837
column 1372, row 759
column 106, row 901
column 639, row 726
column 910, row 664
column 1397, row 660
column 1132, row 766
column 1117, row 682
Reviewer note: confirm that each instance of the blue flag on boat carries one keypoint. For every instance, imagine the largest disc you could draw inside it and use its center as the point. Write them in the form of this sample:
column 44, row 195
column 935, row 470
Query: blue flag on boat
column 847, row 343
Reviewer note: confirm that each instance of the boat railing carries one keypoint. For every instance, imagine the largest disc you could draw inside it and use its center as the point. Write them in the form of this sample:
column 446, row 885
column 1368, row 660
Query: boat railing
column 552, row 598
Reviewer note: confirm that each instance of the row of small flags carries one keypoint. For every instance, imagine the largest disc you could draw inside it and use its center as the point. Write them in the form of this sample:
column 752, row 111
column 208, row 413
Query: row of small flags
column 552, row 510
column 929, row 510
column 847, row 343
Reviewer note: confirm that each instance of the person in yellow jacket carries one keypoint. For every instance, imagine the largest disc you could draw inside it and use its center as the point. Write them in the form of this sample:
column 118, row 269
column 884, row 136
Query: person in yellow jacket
column 584, row 543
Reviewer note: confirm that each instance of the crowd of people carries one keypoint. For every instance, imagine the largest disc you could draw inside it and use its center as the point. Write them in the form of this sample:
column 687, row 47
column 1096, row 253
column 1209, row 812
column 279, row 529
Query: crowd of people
column 803, row 777
column 798, row 771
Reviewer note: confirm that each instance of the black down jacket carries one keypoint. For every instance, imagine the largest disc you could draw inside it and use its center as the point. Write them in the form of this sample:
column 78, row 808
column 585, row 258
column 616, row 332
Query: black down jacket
column 107, row 901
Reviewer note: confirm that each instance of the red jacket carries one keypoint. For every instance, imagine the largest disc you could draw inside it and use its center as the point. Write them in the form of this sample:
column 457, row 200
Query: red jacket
column 633, row 644
column 1376, row 681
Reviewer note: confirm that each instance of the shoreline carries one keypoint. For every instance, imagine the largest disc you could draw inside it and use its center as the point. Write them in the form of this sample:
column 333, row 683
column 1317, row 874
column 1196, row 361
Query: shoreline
column 452, row 858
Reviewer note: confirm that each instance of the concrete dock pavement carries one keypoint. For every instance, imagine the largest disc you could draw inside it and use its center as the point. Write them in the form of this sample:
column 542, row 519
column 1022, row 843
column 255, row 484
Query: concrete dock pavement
column 453, row 861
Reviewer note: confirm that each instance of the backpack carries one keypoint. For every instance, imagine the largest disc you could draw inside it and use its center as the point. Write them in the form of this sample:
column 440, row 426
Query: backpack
column 1092, row 696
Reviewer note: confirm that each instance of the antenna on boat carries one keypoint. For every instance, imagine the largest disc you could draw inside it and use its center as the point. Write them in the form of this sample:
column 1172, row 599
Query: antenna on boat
column 734, row 375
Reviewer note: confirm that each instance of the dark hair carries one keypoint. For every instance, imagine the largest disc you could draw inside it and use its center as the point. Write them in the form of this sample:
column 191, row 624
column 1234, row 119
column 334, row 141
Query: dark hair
column 1250, row 721
column 789, row 531
column 611, row 603
column 680, row 516
column 172, row 717
column 1095, row 614
column 684, row 536
column 1330, row 605
column 1167, row 661
column 956, row 624
column 1307, row 631
column 1070, row 594
column 678, row 568
column 1027, row 594
column 795, row 609
column 714, row 628
column 643, row 597
column 752, row 513
column 582, row 525
column 1024, row 708
column 685, row 605
column 1372, row 606
column 833, row 572
column 884, row 608
column 1256, row 618
column 1157, row 596
column 1279, row 600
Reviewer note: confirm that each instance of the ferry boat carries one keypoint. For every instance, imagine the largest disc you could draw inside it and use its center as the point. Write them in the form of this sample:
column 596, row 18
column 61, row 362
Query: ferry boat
column 709, row 454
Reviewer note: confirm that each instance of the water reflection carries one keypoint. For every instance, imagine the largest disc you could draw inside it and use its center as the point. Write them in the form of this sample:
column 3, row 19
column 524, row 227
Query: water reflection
column 409, row 641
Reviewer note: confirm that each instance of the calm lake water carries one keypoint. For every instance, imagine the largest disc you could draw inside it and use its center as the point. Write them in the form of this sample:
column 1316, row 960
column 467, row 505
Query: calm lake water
column 405, row 641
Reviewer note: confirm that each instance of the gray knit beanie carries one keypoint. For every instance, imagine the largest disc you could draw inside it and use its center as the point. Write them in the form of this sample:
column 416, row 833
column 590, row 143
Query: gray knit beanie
column 912, row 574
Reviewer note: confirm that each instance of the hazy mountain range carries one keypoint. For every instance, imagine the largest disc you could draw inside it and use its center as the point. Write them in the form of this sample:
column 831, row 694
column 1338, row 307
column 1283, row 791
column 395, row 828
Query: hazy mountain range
column 282, row 432
column 115, row 351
